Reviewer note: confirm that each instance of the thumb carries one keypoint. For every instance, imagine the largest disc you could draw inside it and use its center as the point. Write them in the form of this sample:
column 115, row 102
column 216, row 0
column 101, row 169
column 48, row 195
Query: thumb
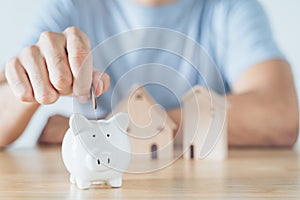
column 101, row 82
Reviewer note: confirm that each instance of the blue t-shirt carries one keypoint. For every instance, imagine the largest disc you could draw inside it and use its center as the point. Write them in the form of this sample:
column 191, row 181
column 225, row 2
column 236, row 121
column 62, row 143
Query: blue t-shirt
column 235, row 34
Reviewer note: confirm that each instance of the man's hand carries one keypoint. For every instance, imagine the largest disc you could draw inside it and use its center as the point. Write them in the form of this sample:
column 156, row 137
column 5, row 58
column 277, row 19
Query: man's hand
column 54, row 130
column 59, row 64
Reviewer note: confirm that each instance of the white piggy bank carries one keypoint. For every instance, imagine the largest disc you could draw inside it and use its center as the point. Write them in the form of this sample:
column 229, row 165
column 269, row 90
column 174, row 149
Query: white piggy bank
column 96, row 151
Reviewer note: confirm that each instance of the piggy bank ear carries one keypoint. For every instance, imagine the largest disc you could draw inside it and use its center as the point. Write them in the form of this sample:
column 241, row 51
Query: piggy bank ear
column 78, row 123
column 122, row 120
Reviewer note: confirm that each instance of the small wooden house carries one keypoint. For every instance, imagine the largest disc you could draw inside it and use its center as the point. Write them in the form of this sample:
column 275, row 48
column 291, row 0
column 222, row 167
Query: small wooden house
column 204, row 125
column 150, row 129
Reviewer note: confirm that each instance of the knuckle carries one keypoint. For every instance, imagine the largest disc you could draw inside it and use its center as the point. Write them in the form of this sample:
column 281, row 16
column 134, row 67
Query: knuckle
column 36, row 79
column 79, row 35
column 47, row 98
column 79, row 54
column 58, row 59
column 79, row 59
column 26, row 97
column 62, row 82
column 72, row 30
column 47, row 35
column 31, row 51
column 50, row 39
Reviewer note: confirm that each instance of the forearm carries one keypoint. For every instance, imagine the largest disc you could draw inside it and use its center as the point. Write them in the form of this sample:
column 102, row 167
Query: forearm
column 256, row 119
column 14, row 115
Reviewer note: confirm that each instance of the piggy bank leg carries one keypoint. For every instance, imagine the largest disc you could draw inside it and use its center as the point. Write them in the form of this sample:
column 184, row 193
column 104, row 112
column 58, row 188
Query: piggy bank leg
column 72, row 179
column 116, row 182
column 82, row 184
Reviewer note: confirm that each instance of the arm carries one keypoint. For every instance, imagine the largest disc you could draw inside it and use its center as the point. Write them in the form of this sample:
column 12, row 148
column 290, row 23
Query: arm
column 44, row 72
column 264, row 108
column 14, row 115
column 263, row 112
column 22, row 71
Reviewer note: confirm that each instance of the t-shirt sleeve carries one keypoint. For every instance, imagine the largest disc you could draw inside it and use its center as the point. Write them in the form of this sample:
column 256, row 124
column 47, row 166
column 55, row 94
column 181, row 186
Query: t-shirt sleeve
column 250, row 40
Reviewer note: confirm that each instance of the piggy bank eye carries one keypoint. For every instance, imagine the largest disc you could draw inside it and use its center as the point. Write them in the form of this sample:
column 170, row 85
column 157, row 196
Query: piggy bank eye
column 108, row 135
column 93, row 135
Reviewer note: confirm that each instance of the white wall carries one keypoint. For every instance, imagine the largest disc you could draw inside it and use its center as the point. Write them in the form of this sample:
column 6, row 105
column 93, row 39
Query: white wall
column 284, row 17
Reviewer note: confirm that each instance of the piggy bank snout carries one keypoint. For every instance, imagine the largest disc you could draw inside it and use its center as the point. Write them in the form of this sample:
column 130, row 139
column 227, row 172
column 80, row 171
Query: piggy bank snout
column 99, row 161
column 104, row 160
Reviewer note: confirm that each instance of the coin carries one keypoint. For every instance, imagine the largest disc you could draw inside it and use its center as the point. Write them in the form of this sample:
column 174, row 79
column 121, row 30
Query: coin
column 93, row 98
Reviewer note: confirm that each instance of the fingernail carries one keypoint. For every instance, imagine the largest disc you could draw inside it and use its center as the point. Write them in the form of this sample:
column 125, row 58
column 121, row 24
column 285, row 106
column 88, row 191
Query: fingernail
column 100, row 87
column 83, row 99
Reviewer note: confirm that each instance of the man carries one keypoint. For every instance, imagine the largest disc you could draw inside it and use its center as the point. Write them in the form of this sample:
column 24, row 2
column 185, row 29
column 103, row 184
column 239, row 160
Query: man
column 236, row 34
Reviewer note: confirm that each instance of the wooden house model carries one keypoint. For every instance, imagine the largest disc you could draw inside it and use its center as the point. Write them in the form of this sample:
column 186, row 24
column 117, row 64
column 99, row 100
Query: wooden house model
column 150, row 129
column 204, row 125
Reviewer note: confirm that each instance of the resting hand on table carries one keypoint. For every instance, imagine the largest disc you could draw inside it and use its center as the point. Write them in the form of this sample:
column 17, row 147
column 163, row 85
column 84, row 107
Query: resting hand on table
column 54, row 131
column 53, row 67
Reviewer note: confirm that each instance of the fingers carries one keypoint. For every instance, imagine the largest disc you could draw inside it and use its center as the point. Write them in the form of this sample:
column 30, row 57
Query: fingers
column 35, row 66
column 53, row 47
column 80, row 60
column 60, row 64
column 101, row 82
column 18, row 80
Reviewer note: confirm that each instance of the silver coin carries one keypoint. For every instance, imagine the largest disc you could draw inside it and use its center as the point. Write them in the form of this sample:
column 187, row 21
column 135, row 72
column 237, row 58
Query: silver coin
column 93, row 98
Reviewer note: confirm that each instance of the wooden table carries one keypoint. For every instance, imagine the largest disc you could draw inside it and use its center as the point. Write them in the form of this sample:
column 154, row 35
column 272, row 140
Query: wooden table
column 263, row 174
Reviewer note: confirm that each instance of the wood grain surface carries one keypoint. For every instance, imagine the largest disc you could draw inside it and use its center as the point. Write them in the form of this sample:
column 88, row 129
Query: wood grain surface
column 39, row 173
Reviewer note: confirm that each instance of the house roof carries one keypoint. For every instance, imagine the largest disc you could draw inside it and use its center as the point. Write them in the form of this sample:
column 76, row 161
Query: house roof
column 217, row 100
column 139, row 98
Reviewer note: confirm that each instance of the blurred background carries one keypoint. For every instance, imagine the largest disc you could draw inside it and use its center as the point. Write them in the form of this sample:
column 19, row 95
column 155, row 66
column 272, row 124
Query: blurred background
column 284, row 17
